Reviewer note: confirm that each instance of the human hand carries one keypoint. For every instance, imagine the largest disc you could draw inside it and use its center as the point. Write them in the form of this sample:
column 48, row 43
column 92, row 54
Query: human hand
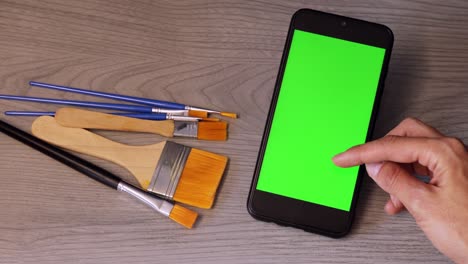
column 440, row 207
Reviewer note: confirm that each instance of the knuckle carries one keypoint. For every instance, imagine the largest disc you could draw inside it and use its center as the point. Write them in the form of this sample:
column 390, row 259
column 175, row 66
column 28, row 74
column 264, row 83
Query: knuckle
column 389, row 140
column 437, row 144
column 455, row 144
column 411, row 121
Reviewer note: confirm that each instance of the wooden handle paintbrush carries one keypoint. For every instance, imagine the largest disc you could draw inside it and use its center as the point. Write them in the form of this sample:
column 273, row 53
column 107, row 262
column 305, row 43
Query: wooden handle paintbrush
column 170, row 170
column 73, row 117
column 177, row 213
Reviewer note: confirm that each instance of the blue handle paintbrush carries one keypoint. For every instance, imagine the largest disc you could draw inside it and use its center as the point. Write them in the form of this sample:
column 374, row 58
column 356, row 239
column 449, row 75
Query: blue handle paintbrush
column 148, row 116
column 119, row 107
column 155, row 116
column 132, row 99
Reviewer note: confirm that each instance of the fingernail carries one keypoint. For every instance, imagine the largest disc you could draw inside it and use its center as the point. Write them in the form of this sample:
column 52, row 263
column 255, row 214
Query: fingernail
column 373, row 168
column 389, row 207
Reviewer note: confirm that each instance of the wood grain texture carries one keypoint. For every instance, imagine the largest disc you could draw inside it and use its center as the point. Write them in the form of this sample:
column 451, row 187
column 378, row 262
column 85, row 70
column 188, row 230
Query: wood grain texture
column 217, row 54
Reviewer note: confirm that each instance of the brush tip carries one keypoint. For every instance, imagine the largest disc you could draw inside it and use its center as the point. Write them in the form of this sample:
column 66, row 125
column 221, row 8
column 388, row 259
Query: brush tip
column 183, row 216
column 212, row 130
column 200, row 178
column 228, row 114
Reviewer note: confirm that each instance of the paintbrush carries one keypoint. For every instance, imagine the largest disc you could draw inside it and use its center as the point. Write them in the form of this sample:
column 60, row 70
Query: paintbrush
column 119, row 107
column 73, row 117
column 148, row 116
column 172, row 171
column 175, row 212
column 139, row 100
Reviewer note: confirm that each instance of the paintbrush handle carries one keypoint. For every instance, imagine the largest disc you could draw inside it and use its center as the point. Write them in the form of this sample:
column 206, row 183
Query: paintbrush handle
column 138, row 100
column 101, row 175
column 139, row 160
column 72, row 117
column 119, row 107
column 72, row 161
column 149, row 116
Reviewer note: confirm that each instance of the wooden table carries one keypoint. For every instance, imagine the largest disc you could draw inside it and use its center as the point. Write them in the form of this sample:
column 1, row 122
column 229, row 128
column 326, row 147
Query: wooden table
column 219, row 54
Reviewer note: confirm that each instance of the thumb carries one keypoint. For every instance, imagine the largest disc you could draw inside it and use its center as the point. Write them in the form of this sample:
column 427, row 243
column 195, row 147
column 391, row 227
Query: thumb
column 395, row 180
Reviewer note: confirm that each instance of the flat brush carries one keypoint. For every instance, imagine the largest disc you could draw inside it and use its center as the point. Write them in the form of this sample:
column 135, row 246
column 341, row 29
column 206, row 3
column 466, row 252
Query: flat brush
column 139, row 100
column 175, row 212
column 110, row 106
column 172, row 171
column 148, row 116
column 79, row 118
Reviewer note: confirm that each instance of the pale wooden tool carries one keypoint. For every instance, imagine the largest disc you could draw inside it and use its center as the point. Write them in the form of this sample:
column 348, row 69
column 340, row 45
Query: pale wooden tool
column 74, row 117
column 198, row 182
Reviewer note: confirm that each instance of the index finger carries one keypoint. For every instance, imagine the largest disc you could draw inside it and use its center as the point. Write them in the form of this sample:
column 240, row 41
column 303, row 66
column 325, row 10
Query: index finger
column 426, row 151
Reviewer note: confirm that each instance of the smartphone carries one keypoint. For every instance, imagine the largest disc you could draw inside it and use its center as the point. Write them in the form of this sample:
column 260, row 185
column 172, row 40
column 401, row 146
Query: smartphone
column 325, row 100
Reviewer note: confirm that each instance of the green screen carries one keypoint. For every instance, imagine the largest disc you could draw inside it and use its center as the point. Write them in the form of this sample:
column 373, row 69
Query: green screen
column 324, row 107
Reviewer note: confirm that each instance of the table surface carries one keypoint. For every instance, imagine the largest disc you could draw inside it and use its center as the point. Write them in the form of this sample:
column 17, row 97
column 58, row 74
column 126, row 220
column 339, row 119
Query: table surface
column 218, row 54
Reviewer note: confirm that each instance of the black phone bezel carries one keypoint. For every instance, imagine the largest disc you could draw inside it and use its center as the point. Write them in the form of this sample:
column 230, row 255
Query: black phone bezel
column 290, row 212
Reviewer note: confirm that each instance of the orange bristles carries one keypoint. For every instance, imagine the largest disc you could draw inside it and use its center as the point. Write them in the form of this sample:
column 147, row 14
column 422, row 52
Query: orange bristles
column 204, row 114
column 183, row 216
column 210, row 119
column 200, row 178
column 212, row 130
column 227, row 114
column 195, row 113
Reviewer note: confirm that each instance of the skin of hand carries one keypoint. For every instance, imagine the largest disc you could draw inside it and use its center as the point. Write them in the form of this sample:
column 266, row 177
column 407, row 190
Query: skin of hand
column 439, row 207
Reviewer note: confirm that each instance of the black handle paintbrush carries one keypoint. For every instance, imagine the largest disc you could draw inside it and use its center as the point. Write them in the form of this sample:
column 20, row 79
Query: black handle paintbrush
column 175, row 212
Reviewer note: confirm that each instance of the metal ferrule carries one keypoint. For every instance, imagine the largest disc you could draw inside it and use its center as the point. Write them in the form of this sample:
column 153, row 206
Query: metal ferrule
column 187, row 107
column 170, row 111
column 158, row 204
column 169, row 169
column 185, row 129
column 183, row 118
